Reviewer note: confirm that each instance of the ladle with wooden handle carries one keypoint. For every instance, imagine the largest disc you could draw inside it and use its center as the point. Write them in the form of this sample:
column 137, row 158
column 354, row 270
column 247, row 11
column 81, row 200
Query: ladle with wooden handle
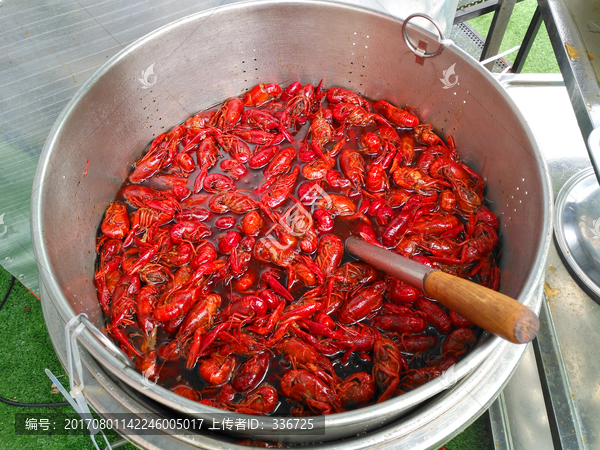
column 491, row 310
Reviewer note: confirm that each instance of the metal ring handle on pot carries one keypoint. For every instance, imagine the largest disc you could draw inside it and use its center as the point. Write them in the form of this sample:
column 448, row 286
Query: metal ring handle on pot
column 420, row 51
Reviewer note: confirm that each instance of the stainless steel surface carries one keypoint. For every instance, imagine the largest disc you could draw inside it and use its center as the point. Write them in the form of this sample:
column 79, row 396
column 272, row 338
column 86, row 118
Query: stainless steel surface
column 574, row 315
column 112, row 116
column 573, row 27
column 427, row 428
column 524, row 406
column 499, row 424
column 578, row 227
column 563, row 416
column 49, row 49
column 547, row 109
column 404, row 269
column 576, row 321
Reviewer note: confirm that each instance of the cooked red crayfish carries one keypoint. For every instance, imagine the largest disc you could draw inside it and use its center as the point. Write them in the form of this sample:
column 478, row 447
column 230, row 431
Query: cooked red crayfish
column 219, row 253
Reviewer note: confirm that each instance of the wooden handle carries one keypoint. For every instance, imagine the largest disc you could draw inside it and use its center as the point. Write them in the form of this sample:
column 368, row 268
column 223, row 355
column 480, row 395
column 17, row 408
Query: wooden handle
column 491, row 310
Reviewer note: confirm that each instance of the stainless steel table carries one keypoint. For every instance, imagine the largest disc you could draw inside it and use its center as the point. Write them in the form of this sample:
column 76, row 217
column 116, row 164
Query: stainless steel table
column 48, row 49
column 552, row 399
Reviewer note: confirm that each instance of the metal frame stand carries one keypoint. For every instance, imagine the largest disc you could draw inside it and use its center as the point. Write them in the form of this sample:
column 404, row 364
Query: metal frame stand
column 502, row 10
column 530, row 35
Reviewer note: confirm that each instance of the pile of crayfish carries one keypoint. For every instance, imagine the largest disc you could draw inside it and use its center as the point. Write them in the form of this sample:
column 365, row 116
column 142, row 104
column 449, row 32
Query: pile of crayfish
column 221, row 266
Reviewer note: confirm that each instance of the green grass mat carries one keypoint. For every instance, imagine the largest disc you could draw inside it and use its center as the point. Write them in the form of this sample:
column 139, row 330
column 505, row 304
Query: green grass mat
column 541, row 57
column 475, row 437
column 25, row 351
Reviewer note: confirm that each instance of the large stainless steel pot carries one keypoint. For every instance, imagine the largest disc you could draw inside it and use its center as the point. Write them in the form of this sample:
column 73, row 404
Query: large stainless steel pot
column 201, row 60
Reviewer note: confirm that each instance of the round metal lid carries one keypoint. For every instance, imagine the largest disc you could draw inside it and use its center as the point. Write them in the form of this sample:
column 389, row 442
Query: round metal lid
column 577, row 227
